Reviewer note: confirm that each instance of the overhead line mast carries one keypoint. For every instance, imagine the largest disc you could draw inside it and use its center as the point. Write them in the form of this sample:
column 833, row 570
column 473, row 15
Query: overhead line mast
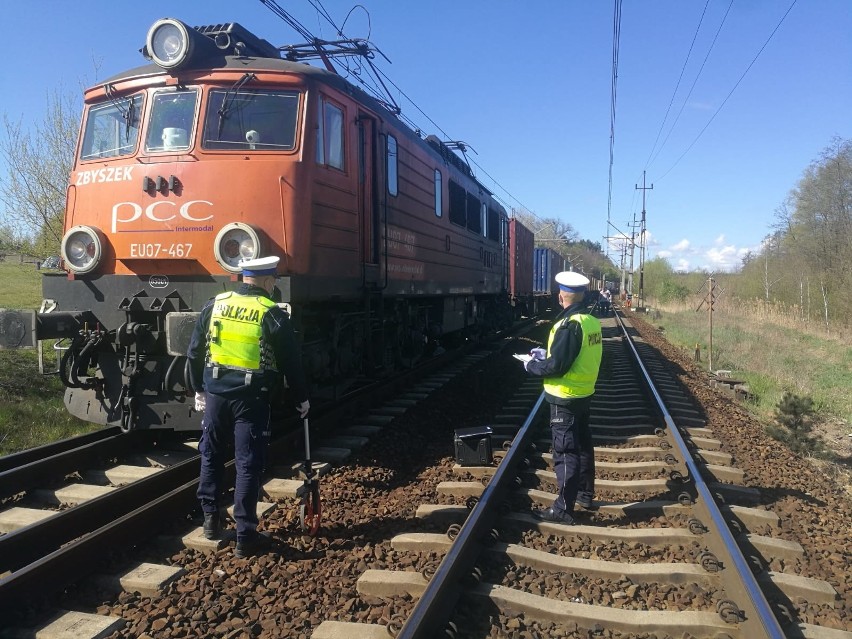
column 642, row 229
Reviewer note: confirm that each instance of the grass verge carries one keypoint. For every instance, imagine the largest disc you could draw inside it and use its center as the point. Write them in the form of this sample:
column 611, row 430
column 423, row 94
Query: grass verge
column 32, row 412
column 775, row 359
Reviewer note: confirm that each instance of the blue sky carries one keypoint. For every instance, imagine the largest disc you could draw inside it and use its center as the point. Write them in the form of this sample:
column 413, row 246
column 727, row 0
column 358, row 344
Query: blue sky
column 527, row 85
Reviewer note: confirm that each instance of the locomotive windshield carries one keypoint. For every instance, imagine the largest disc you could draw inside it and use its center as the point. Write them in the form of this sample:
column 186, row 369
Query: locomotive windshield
column 172, row 116
column 112, row 128
column 251, row 120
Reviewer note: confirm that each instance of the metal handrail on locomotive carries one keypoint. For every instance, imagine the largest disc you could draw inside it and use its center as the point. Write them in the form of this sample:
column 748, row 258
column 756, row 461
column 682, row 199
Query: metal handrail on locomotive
column 219, row 150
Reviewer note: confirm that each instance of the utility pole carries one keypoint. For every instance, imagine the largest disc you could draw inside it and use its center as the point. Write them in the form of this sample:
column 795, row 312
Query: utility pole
column 642, row 240
column 710, row 299
column 633, row 225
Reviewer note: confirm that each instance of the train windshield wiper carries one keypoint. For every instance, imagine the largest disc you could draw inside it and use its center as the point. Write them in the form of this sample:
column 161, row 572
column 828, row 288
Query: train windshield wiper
column 128, row 120
column 228, row 99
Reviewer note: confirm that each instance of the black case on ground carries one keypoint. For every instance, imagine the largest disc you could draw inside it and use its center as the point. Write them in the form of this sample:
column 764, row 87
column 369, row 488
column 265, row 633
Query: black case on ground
column 473, row 446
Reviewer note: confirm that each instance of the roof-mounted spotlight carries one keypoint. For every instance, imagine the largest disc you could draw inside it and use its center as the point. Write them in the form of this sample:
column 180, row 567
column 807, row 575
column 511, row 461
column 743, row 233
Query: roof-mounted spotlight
column 171, row 44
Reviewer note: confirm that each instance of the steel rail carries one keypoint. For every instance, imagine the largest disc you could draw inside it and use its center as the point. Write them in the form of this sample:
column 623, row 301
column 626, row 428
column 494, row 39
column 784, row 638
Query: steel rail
column 765, row 617
column 21, row 458
column 75, row 560
column 433, row 610
column 49, row 555
column 27, row 544
column 57, row 466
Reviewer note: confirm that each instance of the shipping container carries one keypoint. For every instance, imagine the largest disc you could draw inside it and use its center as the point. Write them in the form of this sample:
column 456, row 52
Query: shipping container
column 521, row 245
column 546, row 264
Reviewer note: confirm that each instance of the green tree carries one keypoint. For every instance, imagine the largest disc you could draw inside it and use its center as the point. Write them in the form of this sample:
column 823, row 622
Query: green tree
column 820, row 226
column 38, row 160
column 663, row 284
column 795, row 414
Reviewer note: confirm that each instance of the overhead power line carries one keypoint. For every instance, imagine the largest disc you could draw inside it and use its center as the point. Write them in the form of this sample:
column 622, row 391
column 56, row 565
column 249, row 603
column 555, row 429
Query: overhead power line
column 727, row 97
column 677, row 86
column 376, row 82
column 616, row 43
column 694, row 82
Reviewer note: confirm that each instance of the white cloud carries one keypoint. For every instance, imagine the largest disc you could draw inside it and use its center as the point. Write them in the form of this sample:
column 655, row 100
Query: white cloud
column 724, row 258
column 719, row 257
column 701, row 106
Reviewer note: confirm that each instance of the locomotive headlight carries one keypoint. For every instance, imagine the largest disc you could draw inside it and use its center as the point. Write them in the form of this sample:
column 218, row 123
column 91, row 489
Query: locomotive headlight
column 169, row 43
column 82, row 248
column 235, row 242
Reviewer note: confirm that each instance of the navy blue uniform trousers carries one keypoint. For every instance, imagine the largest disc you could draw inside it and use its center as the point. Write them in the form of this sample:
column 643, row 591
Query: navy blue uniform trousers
column 573, row 452
column 245, row 422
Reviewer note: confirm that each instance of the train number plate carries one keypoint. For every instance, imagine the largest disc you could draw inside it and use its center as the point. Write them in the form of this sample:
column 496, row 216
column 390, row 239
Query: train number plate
column 155, row 250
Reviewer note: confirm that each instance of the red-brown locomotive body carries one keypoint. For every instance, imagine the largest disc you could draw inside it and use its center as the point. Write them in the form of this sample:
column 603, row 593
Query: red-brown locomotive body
column 221, row 150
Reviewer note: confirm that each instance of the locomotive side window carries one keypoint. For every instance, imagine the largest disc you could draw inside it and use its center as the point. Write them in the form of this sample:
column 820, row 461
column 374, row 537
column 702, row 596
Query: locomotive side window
column 111, row 128
column 438, row 204
column 474, row 221
column 393, row 165
column 172, row 117
column 251, row 120
column 493, row 224
column 458, row 199
column 330, row 135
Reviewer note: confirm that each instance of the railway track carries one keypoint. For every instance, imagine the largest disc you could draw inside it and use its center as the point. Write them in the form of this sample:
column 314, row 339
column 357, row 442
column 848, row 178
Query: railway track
column 672, row 549
column 646, row 563
column 65, row 503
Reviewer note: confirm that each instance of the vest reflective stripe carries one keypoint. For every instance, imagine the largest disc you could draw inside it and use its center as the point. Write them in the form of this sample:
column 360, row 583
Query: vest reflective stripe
column 580, row 379
column 235, row 335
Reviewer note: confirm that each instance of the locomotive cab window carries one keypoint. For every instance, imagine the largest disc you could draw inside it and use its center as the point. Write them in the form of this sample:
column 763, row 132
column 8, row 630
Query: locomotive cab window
column 393, row 176
column 458, row 200
column 171, row 121
column 493, row 223
column 111, row 129
column 330, row 134
column 251, row 120
column 474, row 219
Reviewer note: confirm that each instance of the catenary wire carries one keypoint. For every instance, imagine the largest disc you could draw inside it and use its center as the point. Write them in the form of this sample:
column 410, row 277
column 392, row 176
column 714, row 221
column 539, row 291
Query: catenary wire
column 680, row 77
column 616, row 40
column 382, row 77
column 694, row 82
column 727, row 97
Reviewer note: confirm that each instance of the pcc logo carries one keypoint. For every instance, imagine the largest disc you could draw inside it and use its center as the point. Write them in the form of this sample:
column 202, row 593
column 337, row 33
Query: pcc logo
column 133, row 212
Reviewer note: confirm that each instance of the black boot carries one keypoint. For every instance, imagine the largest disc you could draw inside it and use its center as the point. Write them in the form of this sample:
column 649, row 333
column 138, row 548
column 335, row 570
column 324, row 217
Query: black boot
column 255, row 544
column 554, row 516
column 212, row 525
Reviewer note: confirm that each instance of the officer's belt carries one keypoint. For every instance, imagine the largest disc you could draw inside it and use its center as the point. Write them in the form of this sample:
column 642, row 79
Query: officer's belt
column 217, row 369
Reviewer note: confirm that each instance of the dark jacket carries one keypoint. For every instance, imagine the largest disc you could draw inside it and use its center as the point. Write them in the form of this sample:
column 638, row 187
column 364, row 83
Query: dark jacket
column 567, row 343
column 277, row 331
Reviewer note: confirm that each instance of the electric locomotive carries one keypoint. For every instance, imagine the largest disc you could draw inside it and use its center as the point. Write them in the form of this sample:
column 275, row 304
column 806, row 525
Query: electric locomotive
column 221, row 149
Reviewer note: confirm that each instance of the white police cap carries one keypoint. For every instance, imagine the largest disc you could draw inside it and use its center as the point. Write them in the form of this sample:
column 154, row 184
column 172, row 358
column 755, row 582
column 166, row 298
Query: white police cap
column 571, row 281
column 260, row 266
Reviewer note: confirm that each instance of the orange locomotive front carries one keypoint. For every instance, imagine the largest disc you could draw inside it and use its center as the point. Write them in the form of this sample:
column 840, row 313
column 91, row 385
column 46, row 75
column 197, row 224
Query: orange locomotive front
column 220, row 150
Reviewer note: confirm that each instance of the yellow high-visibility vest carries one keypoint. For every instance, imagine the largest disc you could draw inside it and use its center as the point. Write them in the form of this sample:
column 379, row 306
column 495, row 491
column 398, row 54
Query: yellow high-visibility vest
column 579, row 380
column 235, row 336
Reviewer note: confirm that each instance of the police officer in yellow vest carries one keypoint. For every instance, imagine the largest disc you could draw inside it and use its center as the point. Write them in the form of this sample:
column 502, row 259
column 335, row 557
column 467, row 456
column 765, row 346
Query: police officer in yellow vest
column 242, row 344
column 569, row 367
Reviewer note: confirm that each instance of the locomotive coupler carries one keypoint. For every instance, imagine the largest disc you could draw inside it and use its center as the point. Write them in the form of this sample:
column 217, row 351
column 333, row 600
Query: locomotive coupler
column 128, row 401
column 80, row 356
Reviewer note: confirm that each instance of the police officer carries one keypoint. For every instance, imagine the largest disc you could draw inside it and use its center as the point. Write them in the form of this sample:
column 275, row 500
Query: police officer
column 242, row 344
column 570, row 367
